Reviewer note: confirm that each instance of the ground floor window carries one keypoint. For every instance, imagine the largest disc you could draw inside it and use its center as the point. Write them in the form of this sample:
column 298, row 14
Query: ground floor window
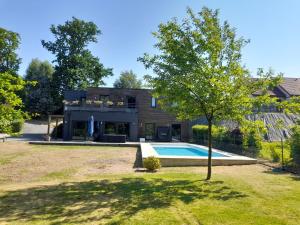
column 149, row 131
column 79, row 130
column 176, row 132
column 116, row 128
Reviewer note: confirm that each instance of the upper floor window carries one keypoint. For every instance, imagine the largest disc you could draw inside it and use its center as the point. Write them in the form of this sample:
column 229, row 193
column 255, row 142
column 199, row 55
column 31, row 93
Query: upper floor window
column 153, row 102
column 131, row 102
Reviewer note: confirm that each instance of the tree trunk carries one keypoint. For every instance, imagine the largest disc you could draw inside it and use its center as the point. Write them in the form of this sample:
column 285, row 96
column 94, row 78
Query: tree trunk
column 209, row 163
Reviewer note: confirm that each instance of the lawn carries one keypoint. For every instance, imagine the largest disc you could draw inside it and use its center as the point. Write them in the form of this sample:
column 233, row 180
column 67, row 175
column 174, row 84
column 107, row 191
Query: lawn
column 99, row 185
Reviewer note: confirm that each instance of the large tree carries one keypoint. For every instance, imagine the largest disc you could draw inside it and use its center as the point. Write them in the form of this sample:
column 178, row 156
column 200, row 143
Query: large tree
column 38, row 99
column 10, row 103
column 128, row 79
column 199, row 71
column 9, row 43
column 75, row 66
column 11, row 85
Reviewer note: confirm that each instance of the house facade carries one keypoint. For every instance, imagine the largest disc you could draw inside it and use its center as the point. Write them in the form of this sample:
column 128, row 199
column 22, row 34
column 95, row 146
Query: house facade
column 131, row 112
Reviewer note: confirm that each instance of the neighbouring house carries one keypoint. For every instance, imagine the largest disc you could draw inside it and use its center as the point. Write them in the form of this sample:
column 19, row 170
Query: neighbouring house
column 288, row 88
column 116, row 111
column 270, row 114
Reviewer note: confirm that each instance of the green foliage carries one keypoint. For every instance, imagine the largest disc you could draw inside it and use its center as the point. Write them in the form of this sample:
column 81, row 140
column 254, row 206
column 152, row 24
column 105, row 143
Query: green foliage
column 272, row 151
column 128, row 79
column 76, row 67
column 17, row 125
column 198, row 68
column 38, row 99
column 151, row 163
column 290, row 106
column 10, row 103
column 253, row 134
column 295, row 144
column 200, row 132
column 9, row 60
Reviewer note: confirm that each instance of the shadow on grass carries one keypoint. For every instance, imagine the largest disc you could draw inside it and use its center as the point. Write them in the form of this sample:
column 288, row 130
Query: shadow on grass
column 138, row 163
column 106, row 200
column 280, row 171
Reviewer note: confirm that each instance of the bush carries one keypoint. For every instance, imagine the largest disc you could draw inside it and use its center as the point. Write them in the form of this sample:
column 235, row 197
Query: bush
column 295, row 144
column 272, row 151
column 275, row 156
column 59, row 130
column 200, row 133
column 252, row 139
column 17, row 125
column 151, row 163
column 11, row 121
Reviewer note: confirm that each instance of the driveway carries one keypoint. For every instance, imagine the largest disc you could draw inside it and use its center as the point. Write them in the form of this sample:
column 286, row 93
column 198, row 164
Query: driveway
column 33, row 130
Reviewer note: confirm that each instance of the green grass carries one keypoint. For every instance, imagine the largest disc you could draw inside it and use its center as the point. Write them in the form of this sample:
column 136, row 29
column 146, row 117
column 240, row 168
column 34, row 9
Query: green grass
column 48, row 186
column 6, row 159
column 159, row 198
column 59, row 175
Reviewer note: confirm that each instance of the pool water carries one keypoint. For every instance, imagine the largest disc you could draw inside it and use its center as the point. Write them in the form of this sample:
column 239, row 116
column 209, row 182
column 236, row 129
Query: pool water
column 184, row 151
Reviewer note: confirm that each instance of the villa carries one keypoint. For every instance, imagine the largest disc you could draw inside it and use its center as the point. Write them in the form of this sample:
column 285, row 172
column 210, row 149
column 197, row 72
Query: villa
column 130, row 112
column 135, row 114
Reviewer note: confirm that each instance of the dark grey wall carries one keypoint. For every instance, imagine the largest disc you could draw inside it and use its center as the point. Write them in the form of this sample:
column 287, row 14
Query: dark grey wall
column 129, row 117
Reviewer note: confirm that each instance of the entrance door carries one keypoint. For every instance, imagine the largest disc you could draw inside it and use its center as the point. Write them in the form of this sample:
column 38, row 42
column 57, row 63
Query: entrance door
column 176, row 132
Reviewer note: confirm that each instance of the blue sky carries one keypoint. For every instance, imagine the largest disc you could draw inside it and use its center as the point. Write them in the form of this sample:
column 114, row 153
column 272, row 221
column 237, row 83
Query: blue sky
column 273, row 27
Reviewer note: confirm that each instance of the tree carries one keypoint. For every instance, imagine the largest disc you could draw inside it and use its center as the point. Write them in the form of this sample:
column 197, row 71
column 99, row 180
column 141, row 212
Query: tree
column 128, row 79
column 11, row 114
column 10, row 102
column 38, row 99
column 199, row 72
column 9, row 43
column 76, row 67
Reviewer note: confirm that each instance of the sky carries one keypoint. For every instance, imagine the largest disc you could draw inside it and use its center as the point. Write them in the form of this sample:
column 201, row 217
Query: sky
column 273, row 27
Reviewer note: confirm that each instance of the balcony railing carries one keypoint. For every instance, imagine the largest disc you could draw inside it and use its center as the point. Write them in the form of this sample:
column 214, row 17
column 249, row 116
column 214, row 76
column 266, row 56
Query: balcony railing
column 100, row 106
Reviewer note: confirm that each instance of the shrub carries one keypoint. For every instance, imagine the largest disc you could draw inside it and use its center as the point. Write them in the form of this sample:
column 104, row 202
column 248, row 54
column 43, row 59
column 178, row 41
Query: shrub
column 200, row 133
column 272, row 151
column 295, row 144
column 58, row 130
column 274, row 154
column 151, row 163
column 253, row 139
column 11, row 121
column 17, row 125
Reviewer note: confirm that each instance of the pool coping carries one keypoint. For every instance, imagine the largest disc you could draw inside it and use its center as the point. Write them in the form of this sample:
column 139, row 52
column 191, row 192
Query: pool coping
column 230, row 159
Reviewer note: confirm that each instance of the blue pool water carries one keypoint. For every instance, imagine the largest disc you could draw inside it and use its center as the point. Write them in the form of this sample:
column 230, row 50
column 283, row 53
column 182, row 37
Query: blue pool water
column 184, row 151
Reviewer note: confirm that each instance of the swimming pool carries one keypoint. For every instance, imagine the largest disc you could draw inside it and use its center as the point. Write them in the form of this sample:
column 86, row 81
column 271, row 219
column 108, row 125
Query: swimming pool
column 185, row 154
column 184, row 151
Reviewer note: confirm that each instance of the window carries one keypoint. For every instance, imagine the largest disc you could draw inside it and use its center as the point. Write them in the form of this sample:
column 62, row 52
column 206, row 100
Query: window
column 79, row 130
column 131, row 102
column 117, row 128
column 153, row 102
column 149, row 131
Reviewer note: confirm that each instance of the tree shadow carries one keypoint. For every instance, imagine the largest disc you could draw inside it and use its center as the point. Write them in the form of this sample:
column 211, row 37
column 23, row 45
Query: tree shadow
column 138, row 163
column 279, row 171
column 92, row 201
